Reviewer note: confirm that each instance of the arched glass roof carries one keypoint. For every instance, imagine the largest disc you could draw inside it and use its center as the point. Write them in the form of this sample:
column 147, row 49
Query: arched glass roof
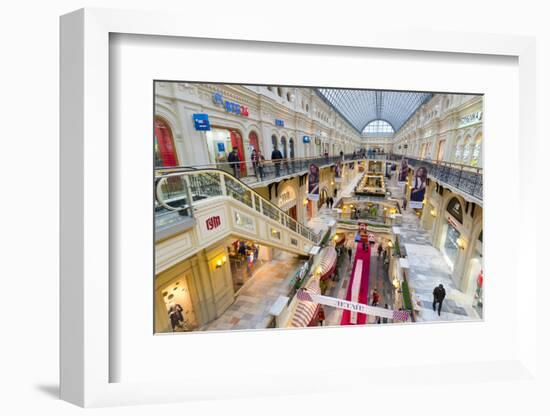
column 360, row 107
column 378, row 127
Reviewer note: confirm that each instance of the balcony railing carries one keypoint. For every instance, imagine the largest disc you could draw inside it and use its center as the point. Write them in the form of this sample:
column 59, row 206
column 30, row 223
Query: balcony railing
column 467, row 179
column 269, row 170
column 180, row 191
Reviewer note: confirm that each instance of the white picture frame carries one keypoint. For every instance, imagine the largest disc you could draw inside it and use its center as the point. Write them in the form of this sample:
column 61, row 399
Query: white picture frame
column 86, row 218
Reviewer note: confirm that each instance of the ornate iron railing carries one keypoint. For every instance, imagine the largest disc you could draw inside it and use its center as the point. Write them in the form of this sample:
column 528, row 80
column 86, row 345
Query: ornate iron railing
column 467, row 179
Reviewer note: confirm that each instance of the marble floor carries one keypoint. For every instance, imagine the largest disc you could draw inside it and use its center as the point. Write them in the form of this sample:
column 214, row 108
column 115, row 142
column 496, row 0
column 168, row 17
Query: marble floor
column 427, row 270
column 251, row 307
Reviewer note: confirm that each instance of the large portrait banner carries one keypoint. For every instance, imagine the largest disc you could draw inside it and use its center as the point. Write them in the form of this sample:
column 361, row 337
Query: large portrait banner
column 313, row 183
column 418, row 190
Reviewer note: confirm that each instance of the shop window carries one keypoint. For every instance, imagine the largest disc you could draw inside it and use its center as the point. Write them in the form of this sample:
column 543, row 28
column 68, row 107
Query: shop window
column 294, row 242
column 455, row 209
column 467, row 151
column 476, row 152
column 450, row 245
column 279, row 91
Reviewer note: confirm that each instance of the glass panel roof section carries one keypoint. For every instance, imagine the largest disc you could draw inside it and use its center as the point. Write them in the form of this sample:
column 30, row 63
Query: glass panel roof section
column 378, row 126
column 360, row 107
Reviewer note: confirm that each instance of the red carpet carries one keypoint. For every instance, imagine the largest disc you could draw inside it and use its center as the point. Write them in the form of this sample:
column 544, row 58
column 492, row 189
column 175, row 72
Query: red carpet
column 362, row 295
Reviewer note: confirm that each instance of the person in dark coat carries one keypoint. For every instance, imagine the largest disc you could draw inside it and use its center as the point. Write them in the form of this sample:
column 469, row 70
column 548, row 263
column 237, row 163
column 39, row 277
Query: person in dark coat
column 321, row 315
column 276, row 157
column 439, row 295
column 176, row 316
column 380, row 249
column 234, row 160
column 350, row 252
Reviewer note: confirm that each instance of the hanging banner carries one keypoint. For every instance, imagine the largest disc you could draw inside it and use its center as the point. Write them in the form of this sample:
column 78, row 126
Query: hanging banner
column 313, row 183
column 308, row 296
column 338, row 172
column 419, row 187
column 403, row 169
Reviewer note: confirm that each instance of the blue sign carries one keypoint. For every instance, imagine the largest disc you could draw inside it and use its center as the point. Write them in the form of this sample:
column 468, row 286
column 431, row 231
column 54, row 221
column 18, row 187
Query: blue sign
column 218, row 98
column 230, row 106
column 202, row 122
column 306, row 139
column 279, row 122
column 221, row 147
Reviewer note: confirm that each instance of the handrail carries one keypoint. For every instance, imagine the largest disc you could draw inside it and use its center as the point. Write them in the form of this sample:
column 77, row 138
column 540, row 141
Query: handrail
column 454, row 165
column 270, row 162
column 223, row 188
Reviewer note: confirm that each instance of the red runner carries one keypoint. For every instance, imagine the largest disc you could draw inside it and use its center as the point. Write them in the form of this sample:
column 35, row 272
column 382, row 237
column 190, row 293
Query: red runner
column 360, row 254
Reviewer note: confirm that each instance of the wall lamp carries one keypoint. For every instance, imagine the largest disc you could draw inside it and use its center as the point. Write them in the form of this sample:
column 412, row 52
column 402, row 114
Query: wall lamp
column 461, row 243
column 433, row 213
column 221, row 262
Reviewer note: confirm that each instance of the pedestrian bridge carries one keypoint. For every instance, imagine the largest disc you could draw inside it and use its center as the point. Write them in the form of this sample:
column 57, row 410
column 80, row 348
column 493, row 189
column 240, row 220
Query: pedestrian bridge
column 194, row 209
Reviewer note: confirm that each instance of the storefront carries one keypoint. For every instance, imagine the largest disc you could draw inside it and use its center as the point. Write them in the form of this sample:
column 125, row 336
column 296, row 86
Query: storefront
column 221, row 141
column 287, row 202
column 178, row 304
column 165, row 151
column 451, row 242
column 474, row 276
column 246, row 257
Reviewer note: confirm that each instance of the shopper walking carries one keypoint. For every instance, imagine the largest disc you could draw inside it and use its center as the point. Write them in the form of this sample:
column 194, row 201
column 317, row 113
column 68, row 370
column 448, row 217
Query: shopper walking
column 375, row 297
column 321, row 315
column 254, row 159
column 261, row 162
column 234, row 160
column 350, row 252
column 439, row 295
column 385, row 320
column 404, row 204
column 380, row 249
column 276, row 157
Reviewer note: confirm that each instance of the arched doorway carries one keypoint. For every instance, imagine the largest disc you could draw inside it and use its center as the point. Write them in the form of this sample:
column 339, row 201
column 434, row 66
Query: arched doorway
column 274, row 141
column 237, row 142
column 291, row 146
column 323, row 196
column 165, row 151
column 283, row 147
column 253, row 140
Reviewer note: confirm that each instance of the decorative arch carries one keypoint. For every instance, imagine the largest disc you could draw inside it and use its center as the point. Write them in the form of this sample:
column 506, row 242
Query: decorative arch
column 467, row 151
column 284, row 147
column 454, row 207
column 165, row 150
column 274, row 141
column 254, row 140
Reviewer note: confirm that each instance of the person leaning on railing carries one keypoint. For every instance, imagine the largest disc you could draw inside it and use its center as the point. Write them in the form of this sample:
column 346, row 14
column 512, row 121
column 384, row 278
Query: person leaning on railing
column 276, row 157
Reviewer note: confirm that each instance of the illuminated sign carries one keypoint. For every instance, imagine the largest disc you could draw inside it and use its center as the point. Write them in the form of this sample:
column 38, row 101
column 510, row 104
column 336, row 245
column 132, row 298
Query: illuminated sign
column 229, row 106
column 306, row 139
column 279, row 122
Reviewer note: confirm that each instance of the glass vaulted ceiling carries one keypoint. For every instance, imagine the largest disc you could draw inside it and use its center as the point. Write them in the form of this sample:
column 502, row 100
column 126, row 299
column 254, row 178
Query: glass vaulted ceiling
column 360, row 107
